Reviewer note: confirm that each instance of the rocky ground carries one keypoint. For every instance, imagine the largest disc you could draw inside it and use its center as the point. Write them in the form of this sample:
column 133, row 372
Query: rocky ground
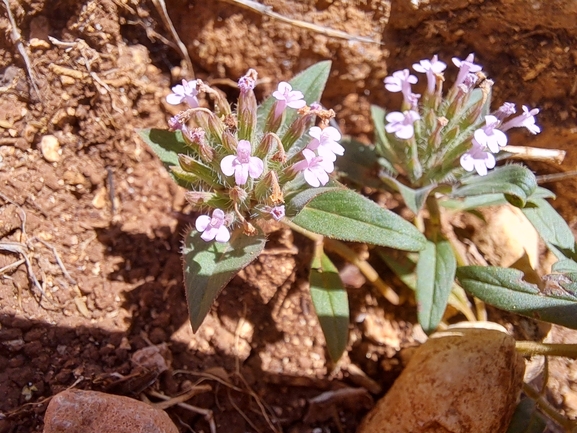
column 91, row 209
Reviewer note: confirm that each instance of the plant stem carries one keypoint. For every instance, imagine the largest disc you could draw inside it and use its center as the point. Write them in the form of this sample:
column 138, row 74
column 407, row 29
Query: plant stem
column 536, row 348
column 546, row 407
column 348, row 254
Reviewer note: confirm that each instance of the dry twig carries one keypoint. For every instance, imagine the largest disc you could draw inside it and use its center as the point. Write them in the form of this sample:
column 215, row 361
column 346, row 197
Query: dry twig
column 17, row 40
column 267, row 11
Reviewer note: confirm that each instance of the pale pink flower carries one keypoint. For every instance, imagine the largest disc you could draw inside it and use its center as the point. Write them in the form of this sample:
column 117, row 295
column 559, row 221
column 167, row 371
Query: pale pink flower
column 287, row 97
column 465, row 67
column 242, row 165
column 489, row 136
column 401, row 124
column 278, row 212
column 325, row 142
column 504, row 111
column 432, row 68
column 213, row 228
column 186, row 92
column 314, row 168
column 401, row 81
column 527, row 120
column 477, row 159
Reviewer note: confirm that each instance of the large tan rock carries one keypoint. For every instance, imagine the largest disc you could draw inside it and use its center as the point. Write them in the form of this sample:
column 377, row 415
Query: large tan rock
column 460, row 381
column 76, row 411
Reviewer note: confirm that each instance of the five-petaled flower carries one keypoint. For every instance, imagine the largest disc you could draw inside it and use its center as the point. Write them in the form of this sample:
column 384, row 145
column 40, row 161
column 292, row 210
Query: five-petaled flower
column 287, row 97
column 314, row 168
column 465, row 67
column 242, row 165
column 213, row 227
column 401, row 124
column 325, row 142
column 401, row 81
column 186, row 91
column 489, row 136
column 477, row 159
column 278, row 212
column 527, row 120
column 432, row 68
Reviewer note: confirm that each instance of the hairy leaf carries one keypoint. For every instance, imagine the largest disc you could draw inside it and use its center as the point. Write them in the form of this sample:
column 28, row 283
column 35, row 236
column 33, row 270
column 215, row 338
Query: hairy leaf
column 505, row 288
column 515, row 181
column 346, row 215
column 331, row 304
column 209, row 266
column 435, row 277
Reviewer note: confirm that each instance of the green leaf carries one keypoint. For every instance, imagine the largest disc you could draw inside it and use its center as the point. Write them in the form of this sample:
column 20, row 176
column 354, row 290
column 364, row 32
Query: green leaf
column 505, row 289
column 166, row 144
column 331, row 304
column 515, row 181
column 359, row 163
column 383, row 146
column 294, row 202
column 311, row 82
column 435, row 277
column 414, row 198
column 346, row 215
column 209, row 266
column 474, row 202
column 551, row 227
column 564, row 266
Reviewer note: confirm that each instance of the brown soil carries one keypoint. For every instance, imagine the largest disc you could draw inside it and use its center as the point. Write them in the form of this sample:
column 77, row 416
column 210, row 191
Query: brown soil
column 102, row 225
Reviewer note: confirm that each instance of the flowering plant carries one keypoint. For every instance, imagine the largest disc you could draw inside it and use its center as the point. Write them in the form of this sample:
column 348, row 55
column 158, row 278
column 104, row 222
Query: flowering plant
column 269, row 162
column 440, row 152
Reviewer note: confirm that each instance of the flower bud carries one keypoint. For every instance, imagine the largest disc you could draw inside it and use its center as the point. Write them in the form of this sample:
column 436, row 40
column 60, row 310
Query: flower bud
column 271, row 145
column 208, row 121
column 237, row 194
column 247, row 106
column 202, row 199
column 273, row 122
column 195, row 138
column 436, row 138
column 475, row 114
column 268, row 191
column 201, row 171
column 297, row 129
column 229, row 141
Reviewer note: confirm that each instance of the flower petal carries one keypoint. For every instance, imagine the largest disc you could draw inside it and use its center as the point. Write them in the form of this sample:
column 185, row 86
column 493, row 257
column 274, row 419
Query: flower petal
column 227, row 165
column 202, row 223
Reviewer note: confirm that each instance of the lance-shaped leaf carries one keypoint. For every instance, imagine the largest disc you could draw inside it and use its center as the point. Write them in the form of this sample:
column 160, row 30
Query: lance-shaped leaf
column 435, row 276
column 383, row 146
column 331, row 304
column 346, row 215
column 551, row 227
column 296, row 200
column 209, row 266
column 504, row 288
column 166, row 144
column 414, row 198
column 515, row 181
column 311, row 82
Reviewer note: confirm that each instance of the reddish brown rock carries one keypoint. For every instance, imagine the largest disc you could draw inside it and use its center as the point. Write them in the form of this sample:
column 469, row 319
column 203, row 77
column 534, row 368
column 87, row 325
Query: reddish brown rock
column 76, row 411
column 461, row 380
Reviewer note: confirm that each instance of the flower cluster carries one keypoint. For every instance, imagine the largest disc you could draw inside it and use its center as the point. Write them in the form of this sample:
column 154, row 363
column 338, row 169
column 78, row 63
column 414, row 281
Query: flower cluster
column 433, row 132
column 240, row 165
